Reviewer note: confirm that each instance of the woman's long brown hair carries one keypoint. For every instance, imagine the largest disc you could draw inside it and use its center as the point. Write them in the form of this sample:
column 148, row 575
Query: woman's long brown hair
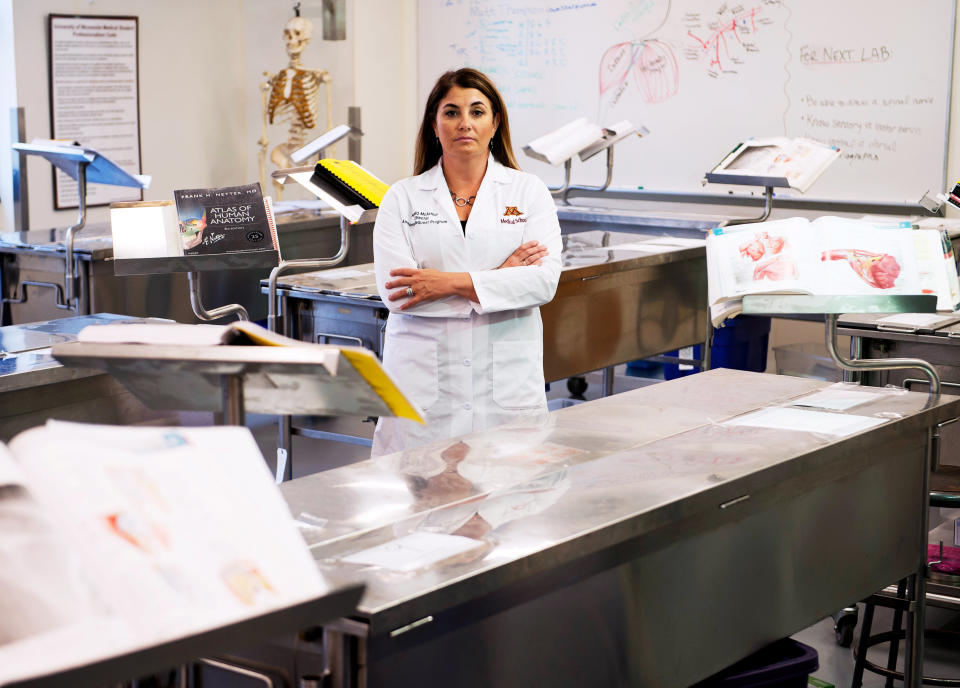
column 428, row 149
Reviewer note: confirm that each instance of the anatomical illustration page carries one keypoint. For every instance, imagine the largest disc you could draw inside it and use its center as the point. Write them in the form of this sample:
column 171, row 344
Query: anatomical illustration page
column 827, row 256
column 758, row 258
column 830, row 256
column 146, row 535
column 799, row 161
column 853, row 257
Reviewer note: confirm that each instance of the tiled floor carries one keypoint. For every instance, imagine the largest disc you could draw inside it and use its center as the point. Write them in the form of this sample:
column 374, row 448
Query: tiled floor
column 836, row 663
column 942, row 658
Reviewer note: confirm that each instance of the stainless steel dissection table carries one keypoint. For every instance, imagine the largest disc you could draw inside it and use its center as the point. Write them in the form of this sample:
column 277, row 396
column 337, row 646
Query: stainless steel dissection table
column 34, row 386
column 611, row 306
column 32, row 276
column 649, row 538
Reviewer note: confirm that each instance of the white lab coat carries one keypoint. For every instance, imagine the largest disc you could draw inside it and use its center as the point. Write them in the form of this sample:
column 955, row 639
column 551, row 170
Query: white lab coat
column 467, row 365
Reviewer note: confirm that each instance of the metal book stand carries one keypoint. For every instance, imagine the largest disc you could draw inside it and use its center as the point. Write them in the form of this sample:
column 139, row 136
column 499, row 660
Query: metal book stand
column 303, row 379
column 193, row 266
column 182, row 650
column 82, row 165
column 768, row 183
column 349, row 215
column 606, row 143
column 832, row 307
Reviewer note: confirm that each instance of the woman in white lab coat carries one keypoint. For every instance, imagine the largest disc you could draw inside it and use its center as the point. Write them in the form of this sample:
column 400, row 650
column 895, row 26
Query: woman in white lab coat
column 465, row 252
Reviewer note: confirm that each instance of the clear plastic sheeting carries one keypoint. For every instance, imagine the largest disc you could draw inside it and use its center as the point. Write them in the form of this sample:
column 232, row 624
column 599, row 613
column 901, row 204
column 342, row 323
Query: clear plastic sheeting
column 96, row 240
column 595, row 247
column 581, row 479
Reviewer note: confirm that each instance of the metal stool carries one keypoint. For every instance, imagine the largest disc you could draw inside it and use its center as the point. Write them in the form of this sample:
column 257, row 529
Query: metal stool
column 945, row 492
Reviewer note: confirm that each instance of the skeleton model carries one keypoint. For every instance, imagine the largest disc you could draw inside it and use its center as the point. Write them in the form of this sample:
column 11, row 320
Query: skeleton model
column 291, row 95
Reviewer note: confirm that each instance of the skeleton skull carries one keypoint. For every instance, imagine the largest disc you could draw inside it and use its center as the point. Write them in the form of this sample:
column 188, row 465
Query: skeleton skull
column 296, row 35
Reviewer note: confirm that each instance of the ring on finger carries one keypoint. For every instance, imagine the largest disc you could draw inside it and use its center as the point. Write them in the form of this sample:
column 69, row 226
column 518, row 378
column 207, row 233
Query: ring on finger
column 409, row 291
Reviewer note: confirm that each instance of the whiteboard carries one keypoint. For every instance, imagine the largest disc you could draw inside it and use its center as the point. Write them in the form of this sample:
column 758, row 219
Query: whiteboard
column 872, row 78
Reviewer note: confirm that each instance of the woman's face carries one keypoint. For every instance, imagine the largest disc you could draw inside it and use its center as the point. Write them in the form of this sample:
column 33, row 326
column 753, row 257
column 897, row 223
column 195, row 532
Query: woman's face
column 465, row 122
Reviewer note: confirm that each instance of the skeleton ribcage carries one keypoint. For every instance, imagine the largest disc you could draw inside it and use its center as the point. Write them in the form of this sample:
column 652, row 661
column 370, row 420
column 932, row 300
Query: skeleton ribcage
column 298, row 105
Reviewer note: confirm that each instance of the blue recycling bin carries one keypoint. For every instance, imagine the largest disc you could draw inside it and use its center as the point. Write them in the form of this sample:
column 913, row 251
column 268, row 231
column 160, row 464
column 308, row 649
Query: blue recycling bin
column 741, row 344
column 786, row 663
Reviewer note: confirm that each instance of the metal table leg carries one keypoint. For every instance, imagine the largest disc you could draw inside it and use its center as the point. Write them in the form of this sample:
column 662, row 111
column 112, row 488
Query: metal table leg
column 232, row 668
column 606, row 388
column 917, row 587
column 284, row 440
column 707, row 344
column 232, row 393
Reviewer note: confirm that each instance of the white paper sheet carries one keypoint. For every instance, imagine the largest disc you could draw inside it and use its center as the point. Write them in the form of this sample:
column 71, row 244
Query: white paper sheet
column 155, row 333
column 344, row 273
column 802, row 420
column 658, row 245
column 281, row 207
column 415, row 551
column 918, row 321
column 641, row 247
column 835, row 399
column 678, row 241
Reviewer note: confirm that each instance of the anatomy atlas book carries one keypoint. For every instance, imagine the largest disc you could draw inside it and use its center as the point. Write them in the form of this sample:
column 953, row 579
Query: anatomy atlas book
column 830, row 256
column 225, row 220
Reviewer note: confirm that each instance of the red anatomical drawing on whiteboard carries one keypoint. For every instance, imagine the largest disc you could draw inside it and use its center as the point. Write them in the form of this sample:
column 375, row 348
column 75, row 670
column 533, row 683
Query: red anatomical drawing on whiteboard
column 652, row 64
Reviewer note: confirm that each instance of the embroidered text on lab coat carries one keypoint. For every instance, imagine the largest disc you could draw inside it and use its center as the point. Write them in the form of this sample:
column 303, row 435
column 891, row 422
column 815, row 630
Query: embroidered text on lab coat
column 423, row 217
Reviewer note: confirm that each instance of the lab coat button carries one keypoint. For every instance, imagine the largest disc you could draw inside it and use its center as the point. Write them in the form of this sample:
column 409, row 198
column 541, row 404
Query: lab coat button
column 467, row 406
column 466, row 362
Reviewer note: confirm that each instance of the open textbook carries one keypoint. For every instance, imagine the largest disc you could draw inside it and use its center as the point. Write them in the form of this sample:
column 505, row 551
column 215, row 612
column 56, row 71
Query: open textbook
column 280, row 374
column 242, row 332
column 579, row 137
column 776, row 161
column 829, row 256
column 351, row 190
column 114, row 539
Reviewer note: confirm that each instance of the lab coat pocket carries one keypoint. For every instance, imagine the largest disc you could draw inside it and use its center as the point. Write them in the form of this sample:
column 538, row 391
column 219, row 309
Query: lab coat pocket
column 413, row 363
column 427, row 242
column 517, row 375
column 504, row 242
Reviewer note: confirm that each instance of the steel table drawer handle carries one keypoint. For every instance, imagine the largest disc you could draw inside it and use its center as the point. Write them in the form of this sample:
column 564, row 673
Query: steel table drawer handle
column 732, row 502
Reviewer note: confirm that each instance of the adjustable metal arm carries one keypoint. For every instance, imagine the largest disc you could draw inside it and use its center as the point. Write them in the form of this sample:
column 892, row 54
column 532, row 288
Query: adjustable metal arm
column 566, row 191
column 567, row 167
column 876, row 364
column 767, row 208
column 286, row 265
column 70, row 275
column 202, row 313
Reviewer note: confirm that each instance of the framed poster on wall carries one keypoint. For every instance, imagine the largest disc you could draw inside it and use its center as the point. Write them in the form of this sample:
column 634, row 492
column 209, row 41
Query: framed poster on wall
column 95, row 98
